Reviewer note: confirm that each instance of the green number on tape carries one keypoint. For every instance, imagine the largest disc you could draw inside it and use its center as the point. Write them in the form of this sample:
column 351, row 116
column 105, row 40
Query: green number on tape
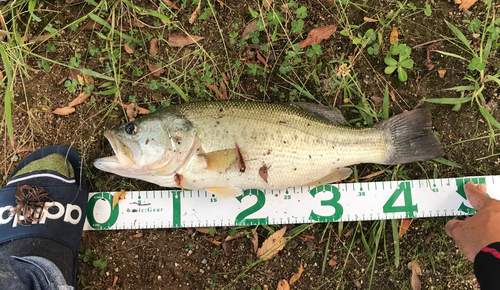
column 261, row 200
column 460, row 190
column 409, row 208
column 113, row 216
column 176, row 203
column 333, row 202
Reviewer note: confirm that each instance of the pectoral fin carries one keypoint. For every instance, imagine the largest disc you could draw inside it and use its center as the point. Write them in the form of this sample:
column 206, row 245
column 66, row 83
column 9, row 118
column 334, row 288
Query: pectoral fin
column 220, row 160
column 334, row 176
column 225, row 191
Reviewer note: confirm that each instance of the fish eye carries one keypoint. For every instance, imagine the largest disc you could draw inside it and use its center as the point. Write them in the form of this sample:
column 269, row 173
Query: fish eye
column 130, row 128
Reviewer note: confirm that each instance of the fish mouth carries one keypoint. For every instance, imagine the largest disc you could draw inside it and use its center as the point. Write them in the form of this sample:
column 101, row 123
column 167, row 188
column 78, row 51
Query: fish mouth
column 122, row 153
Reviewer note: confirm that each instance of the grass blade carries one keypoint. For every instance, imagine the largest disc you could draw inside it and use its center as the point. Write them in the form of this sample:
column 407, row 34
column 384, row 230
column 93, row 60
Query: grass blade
column 489, row 117
column 459, row 34
column 395, row 238
column 451, row 54
column 460, row 88
column 449, row 101
column 446, row 162
column 177, row 89
column 8, row 93
column 95, row 74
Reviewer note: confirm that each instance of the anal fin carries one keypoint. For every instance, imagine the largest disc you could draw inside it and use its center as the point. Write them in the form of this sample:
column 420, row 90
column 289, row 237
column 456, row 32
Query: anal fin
column 334, row 176
column 225, row 191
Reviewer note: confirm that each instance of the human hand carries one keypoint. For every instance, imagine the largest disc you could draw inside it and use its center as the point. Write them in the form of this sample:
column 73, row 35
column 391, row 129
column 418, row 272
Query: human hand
column 482, row 229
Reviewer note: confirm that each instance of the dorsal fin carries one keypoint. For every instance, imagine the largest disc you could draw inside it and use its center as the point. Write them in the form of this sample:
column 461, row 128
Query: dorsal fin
column 331, row 115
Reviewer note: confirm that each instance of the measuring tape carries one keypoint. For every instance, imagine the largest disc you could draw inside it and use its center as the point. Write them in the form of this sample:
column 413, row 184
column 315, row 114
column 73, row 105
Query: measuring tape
column 325, row 203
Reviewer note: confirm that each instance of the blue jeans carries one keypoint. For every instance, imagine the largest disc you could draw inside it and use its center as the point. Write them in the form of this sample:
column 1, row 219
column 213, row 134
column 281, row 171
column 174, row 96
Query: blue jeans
column 31, row 272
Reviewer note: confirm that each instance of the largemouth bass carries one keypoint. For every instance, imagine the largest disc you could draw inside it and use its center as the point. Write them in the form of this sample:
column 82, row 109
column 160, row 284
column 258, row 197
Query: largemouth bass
column 224, row 147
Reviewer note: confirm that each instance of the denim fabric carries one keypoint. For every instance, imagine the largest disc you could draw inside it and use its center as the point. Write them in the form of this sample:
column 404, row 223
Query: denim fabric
column 34, row 273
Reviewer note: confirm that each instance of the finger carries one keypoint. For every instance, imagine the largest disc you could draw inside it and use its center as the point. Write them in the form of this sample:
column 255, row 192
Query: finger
column 452, row 226
column 477, row 198
column 482, row 187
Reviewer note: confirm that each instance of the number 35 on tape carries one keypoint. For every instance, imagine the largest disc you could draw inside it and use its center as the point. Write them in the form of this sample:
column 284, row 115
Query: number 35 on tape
column 325, row 203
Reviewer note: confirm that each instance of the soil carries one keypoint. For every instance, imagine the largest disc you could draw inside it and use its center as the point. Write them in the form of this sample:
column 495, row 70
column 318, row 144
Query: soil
column 185, row 258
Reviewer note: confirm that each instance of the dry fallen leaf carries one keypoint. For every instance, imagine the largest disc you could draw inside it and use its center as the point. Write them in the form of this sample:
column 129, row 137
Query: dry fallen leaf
column 305, row 238
column 249, row 28
column 127, row 48
column 170, row 4
column 213, row 241
column 1, row 76
column 223, row 90
column 415, row 272
column 115, row 279
column 205, row 231
column 255, row 241
column 394, row 35
column 117, row 196
column 441, row 73
column 139, row 110
column 155, row 70
column 78, row 100
column 63, row 111
column 333, row 261
column 153, row 47
column 92, row 25
column 465, row 4
column 317, row 35
column 267, row 3
column 405, row 225
column 41, row 38
column 226, row 246
column 181, row 39
column 195, row 13
column 80, row 79
column 297, row 275
column 261, row 59
column 238, row 235
column 138, row 235
column 283, row 285
column 272, row 245
column 367, row 19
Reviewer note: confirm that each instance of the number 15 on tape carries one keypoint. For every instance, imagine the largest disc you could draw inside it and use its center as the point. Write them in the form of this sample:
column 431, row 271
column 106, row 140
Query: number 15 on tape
column 325, row 203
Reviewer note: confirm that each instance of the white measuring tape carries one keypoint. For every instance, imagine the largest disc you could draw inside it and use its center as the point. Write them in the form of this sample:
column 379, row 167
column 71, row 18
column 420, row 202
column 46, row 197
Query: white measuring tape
column 325, row 203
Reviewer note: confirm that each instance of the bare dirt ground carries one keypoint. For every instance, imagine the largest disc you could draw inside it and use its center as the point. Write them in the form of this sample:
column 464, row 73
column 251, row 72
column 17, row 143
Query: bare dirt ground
column 185, row 258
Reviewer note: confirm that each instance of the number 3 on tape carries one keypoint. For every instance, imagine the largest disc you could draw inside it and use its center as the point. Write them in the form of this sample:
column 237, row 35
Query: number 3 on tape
column 333, row 202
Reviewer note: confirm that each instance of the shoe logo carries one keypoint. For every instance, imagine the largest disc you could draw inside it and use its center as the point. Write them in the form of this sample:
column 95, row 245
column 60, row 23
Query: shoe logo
column 66, row 213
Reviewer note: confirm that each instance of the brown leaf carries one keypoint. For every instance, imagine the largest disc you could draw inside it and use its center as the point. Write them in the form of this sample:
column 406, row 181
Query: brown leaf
column 127, row 48
column 297, row 275
column 441, row 73
column 223, row 90
column 465, row 4
column 367, row 19
column 4, row 28
column 181, row 39
column 393, row 95
column 205, row 231
column 139, row 110
column 41, row 38
column 195, row 13
column 262, row 59
column 88, row 79
column 357, row 284
column 115, row 279
column 238, row 235
column 137, row 23
column 73, row 74
column 117, row 196
column 170, row 4
column 405, row 225
column 415, row 272
column 263, row 172
column 267, row 3
column 283, row 285
column 155, row 70
column 138, row 235
column 219, row 93
column 80, row 80
column 249, row 28
column 1, row 76
column 92, row 25
column 333, row 261
column 255, row 241
column 305, row 238
column 394, row 35
column 317, row 35
column 78, row 100
column 214, row 241
column 226, row 246
column 348, row 233
column 272, row 245
column 153, row 46
column 63, row 111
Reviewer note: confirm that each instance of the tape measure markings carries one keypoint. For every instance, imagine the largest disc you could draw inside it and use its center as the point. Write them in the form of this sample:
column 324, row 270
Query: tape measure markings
column 325, row 203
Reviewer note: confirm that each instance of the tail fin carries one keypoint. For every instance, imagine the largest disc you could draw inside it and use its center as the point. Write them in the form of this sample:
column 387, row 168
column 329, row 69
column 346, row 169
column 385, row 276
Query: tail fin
column 411, row 138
